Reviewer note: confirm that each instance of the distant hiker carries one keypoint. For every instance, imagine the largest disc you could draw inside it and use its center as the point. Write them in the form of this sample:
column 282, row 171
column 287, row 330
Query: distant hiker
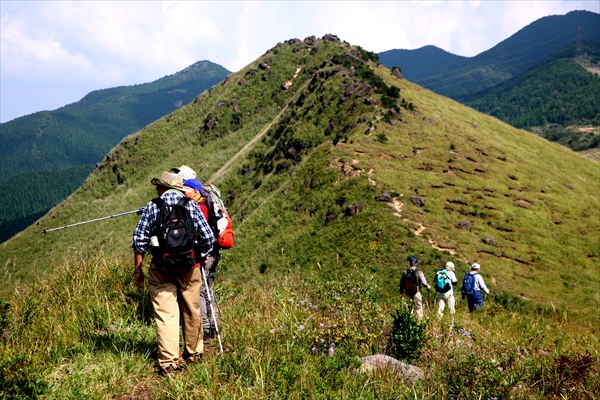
column 471, row 288
column 444, row 280
column 410, row 285
column 174, row 278
column 210, row 267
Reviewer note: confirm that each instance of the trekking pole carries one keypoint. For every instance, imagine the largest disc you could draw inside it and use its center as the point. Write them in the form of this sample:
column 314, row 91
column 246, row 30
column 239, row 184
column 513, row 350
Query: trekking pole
column 212, row 310
column 139, row 211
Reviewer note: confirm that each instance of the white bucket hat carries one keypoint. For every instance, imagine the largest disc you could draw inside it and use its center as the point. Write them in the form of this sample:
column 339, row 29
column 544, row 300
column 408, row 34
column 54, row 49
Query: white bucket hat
column 185, row 172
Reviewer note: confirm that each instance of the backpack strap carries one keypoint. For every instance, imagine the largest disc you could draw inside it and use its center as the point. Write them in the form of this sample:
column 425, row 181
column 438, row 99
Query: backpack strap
column 160, row 203
column 183, row 201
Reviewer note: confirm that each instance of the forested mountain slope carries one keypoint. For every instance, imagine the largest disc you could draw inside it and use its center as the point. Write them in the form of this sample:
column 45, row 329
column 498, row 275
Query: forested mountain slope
column 49, row 146
column 82, row 132
column 559, row 91
column 513, row 56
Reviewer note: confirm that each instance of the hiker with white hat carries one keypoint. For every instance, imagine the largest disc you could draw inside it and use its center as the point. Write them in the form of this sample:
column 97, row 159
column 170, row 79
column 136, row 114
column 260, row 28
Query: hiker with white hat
column 174, row 278
column 444, row 280
column 207, row 294
column 472, row 286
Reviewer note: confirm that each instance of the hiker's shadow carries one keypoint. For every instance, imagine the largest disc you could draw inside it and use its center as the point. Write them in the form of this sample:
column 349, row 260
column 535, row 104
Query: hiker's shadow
column 134, row 332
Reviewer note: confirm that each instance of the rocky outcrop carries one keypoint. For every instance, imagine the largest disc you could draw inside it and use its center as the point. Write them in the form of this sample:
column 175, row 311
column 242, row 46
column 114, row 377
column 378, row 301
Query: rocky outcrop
column 417, row 201
column 397, row 72
column 381, row 361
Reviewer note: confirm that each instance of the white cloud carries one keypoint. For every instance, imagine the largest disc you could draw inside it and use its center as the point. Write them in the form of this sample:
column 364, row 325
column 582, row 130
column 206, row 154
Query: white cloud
column 98, row 44
column 23, row 54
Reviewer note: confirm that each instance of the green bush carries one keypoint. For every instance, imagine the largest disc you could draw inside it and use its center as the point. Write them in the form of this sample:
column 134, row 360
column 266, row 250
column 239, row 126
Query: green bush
column 408, row 336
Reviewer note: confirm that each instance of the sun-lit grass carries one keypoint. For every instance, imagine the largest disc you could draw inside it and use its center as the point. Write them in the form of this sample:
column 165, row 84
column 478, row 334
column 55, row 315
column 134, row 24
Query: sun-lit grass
column 284, row 337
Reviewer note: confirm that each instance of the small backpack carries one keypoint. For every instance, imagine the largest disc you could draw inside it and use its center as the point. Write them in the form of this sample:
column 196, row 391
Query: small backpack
column 411, row 282
column 219, row 219
column 176, row 235
column 468, row 285
column 442, row 281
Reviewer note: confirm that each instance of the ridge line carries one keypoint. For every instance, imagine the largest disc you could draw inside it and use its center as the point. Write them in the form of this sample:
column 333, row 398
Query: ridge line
column 255, row 139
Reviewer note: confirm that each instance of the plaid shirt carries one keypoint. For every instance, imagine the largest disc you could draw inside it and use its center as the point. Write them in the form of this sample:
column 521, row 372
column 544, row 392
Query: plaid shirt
column 147, row 223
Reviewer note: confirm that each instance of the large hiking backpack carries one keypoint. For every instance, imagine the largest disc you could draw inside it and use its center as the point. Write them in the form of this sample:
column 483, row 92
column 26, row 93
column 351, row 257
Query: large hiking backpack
column 219, row 220
column 176, row 236
column 411, row 282
column 442, row 281
column 468, row 285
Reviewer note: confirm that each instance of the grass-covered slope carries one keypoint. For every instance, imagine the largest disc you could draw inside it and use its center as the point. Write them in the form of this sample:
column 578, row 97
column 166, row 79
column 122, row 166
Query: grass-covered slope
column 320, row 180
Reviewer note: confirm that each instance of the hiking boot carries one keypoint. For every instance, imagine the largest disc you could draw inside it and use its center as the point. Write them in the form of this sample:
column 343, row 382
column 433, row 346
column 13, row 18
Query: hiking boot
column 192, row 359
column 165, row 372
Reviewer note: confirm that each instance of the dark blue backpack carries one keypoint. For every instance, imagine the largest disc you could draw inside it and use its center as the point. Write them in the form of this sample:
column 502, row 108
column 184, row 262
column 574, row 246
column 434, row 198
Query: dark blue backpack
column 468, row 285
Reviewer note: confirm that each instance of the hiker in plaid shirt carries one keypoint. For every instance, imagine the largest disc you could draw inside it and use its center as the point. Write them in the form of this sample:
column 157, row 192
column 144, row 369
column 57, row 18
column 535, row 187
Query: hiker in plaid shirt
column 174, row 294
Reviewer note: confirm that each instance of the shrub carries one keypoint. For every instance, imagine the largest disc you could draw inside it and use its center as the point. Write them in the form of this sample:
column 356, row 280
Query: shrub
column 382, row 137
column 407, row 336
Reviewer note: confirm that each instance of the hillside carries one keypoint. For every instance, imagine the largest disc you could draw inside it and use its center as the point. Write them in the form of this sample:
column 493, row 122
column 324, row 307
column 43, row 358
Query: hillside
column 83, row 132
column 335, row 173
column 559, row 91
column 513, row 56
column 419, row 63
column 464, row 166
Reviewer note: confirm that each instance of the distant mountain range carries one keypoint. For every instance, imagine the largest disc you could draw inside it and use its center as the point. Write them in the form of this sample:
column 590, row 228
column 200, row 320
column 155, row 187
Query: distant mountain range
column 521, row 80
column 420, row 63
column 513, row 56
column 70, row 140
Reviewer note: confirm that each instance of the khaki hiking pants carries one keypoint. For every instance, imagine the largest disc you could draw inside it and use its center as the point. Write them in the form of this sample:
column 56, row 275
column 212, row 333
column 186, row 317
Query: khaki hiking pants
column 442, row 299
column 175, row 297
column 418, row 299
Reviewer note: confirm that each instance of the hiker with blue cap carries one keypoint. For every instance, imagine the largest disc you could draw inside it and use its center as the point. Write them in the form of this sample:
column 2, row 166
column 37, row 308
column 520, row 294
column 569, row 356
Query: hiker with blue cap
column 410, row 286
column 472, row 286
column 204, row 201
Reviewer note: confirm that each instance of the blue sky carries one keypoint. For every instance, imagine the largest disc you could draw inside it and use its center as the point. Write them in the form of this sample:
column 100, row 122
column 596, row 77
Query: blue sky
column 54, row 53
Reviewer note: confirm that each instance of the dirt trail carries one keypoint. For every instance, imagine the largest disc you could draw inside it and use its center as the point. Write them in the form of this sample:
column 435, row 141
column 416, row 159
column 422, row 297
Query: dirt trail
column 397, row 205
column 255, row 139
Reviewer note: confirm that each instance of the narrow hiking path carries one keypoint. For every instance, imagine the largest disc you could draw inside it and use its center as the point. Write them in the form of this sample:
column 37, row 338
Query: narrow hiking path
column 256, row 138
column 397, row 206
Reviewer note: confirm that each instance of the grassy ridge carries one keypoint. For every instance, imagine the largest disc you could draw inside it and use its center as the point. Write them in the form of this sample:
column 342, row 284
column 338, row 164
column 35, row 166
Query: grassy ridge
column 537, row 200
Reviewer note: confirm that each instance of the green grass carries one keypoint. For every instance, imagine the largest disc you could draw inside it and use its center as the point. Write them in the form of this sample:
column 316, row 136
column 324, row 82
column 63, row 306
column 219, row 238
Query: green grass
column 86, row 333
column 538, row 200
